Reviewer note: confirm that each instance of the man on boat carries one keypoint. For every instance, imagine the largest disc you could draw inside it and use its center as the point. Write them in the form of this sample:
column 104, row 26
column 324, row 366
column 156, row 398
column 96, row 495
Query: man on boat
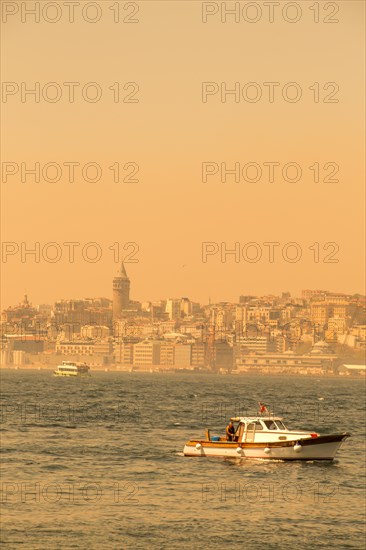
column 230, row 431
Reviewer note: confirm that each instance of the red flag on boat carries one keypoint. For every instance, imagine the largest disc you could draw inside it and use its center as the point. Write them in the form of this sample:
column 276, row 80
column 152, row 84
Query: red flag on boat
column 262, row 408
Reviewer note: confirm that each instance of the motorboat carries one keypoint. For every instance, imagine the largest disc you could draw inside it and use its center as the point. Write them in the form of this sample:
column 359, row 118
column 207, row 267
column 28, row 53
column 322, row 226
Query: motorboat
column 266, row 437
column 72, row 368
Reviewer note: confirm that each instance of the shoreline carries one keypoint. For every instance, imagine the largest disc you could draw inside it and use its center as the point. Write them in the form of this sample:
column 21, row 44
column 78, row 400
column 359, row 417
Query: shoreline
column 152, row 370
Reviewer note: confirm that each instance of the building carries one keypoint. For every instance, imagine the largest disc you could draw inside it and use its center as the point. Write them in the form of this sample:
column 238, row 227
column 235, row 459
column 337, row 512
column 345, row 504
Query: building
column 241, row 314
column 75, row 348
column 5, row 355
column 258, row 314
column 166, row 353
column 103, row 347
column 185, row 307
column 224, row 356
column 20, row 317
column 337, row 325
column 283, row 362
column 95, row 332
column 19, row 357
column 319, row 313
column 196, row 330
column 340, row 310
column 173, row 308
column 281, row 343
column 308, row 295
column 359, row 331
column 258, row 344
column 198, row 354
column 123, row 352
column 182, row 355
column 245, row 299
column 82, row 312
column 28, row 344
column 146, row 353
column 352, row 370
column 121, row 293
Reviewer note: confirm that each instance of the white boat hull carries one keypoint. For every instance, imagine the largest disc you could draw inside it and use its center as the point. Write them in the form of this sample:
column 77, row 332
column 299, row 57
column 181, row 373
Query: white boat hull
column 320, row 448
column 56, row 373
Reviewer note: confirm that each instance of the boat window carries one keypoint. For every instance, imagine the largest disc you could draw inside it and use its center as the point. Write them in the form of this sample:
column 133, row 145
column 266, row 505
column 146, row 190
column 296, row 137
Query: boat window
column 254, row 425
column 270, row 424
column 280, row 425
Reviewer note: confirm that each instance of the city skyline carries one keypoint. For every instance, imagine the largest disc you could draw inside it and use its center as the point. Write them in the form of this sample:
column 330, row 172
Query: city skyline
column 121, row 300
column 209, row 299
column 311, row 333
column 135, row 268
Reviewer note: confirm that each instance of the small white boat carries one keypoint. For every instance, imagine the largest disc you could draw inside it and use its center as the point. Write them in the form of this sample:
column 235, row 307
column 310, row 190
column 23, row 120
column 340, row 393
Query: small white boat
column 267, row 437
column 71, row 368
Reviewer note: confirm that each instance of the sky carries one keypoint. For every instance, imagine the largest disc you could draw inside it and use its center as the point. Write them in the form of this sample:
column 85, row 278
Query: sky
column 170, row 102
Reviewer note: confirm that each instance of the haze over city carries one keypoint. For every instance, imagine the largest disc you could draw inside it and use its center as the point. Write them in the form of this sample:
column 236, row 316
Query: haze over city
column 163, row 141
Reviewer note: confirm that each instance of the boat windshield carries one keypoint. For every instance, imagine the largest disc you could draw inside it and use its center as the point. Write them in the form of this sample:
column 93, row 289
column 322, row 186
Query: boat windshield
column 272, row 425
column 280, row 425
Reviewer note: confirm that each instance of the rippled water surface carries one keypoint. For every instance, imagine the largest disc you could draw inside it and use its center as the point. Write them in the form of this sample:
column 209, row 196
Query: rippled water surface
column 97, row 463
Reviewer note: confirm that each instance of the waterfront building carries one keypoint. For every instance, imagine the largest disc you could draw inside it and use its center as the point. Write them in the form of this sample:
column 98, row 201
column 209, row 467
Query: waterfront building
column 146, row 353
column 182, row 355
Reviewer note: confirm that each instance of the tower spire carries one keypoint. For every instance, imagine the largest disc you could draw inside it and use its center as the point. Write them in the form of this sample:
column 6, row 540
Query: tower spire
column 123, row 272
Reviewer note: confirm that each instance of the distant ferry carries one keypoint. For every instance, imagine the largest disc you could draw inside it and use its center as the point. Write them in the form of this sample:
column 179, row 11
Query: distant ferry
column 71, row 368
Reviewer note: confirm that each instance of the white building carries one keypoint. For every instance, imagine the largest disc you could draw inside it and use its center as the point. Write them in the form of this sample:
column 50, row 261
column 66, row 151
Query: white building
column 146, row 352
column 173, row 308
column 182, row 355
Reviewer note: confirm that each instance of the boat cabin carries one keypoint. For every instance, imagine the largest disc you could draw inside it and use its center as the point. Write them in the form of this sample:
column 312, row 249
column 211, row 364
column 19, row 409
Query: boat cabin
column 249, row 429
column 72, row 368
column 263, row 429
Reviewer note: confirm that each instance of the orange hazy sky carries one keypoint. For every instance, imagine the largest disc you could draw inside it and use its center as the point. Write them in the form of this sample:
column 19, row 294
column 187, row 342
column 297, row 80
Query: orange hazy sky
column 169, row 52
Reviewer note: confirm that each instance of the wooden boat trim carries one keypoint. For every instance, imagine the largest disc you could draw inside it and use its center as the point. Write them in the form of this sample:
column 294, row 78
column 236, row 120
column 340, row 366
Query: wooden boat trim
column 332, row 438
